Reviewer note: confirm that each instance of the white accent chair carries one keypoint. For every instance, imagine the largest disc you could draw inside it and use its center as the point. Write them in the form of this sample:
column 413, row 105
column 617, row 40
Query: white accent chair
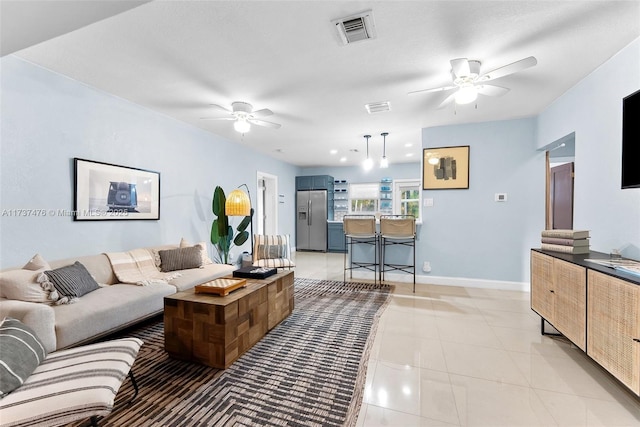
column 72, row 385
column 272, row 251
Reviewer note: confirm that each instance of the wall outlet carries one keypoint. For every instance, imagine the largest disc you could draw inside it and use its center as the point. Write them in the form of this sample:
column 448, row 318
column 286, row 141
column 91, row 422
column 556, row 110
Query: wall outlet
column 500, row 197
column 426, row 267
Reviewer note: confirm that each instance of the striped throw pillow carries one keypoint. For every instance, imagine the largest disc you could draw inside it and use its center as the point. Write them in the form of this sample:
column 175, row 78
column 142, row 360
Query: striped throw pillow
column 20, row 354
column 181, row 258
column 72, row 281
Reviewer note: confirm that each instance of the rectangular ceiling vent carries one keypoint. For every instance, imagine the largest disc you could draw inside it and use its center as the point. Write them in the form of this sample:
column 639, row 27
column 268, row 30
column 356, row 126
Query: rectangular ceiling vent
column 355, row 28
column 378, row 107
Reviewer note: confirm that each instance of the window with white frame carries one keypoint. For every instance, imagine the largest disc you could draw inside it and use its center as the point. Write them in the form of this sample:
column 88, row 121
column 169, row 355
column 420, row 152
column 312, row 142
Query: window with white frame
column 406, row 197
column 364, row 198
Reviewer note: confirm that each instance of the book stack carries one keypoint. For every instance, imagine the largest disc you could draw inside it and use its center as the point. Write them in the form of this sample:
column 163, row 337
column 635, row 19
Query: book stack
column 566, row 241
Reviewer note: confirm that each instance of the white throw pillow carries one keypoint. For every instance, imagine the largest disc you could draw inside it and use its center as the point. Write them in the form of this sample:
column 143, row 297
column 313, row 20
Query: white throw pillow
column 37, row 263
column 23, row 285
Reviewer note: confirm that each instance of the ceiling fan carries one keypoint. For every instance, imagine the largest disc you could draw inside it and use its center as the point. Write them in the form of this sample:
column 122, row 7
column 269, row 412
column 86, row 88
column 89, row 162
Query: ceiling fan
column 244, row 116
column 469, row 81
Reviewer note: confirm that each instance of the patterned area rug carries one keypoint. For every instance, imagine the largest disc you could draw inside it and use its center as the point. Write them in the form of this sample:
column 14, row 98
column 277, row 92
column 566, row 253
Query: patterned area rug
column 308, row 371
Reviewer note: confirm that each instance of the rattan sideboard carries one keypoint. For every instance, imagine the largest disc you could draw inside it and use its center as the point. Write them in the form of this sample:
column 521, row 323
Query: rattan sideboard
column 597, row 308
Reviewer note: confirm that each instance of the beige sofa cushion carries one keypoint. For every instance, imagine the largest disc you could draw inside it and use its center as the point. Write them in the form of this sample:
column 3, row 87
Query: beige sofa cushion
column 196, row 276
column 107, row 309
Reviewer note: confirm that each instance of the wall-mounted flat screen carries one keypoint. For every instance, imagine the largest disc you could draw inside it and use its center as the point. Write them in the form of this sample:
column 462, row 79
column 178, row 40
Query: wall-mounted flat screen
column 631, row 141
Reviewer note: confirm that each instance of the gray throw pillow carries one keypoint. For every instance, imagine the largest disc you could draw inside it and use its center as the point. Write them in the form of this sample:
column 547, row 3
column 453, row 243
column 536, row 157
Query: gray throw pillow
column 271, row 251
column 21, row 351
column 72, row 281
column 180, row 258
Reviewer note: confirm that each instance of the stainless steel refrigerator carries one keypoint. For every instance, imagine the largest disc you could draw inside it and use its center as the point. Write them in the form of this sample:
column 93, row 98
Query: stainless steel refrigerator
column 311, row 220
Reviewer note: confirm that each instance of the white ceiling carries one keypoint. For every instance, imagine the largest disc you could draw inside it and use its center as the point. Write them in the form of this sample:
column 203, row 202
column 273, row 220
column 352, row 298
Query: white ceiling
column 177, row 57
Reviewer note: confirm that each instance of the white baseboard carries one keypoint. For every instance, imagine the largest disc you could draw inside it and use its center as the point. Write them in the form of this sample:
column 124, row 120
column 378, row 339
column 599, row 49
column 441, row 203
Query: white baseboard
column 448, row 281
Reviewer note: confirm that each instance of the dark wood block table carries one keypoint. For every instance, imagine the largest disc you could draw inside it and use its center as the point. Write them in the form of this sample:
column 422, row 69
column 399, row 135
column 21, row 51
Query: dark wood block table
column 216, row 330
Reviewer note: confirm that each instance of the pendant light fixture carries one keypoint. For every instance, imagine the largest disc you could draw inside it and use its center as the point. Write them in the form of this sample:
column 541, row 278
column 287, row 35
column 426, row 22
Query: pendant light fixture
column 384, row 162
column 368, row 162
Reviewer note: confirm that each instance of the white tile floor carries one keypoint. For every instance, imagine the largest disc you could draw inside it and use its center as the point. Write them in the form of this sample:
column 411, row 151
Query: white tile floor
column 454, row 356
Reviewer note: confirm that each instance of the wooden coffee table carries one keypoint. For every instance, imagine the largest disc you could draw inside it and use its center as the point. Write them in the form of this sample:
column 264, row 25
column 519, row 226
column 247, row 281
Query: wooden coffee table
column 216, row 330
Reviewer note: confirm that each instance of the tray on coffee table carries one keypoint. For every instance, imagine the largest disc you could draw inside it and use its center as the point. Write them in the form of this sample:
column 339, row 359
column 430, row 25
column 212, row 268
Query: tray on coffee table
column 220, row 287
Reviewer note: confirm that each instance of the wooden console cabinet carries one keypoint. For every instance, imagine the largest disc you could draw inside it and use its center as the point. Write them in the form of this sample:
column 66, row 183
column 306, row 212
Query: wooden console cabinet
column 614, row 327
column 559, row 295
column 595, row 307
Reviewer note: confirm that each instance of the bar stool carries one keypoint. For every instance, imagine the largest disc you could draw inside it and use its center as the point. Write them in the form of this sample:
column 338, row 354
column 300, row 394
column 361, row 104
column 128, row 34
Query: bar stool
column 397, row 230
column 360, row 230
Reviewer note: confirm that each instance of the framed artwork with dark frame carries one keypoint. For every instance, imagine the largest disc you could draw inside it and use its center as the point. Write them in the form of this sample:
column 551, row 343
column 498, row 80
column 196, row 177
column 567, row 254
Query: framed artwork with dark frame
column 445, row 168
column 104, row 191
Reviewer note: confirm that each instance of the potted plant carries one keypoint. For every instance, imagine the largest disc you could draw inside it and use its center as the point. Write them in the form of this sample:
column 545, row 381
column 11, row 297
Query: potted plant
column 222, row 234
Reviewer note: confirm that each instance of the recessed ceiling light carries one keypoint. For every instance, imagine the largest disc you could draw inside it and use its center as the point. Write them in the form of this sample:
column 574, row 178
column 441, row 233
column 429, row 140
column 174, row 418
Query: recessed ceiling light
column 334, row 151
column 278, row 150
column 343, row 159
column 408, row 144
column 409, row 154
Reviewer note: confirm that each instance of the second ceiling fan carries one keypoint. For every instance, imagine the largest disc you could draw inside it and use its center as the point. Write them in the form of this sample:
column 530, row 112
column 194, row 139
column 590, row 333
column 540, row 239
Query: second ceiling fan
column 243, row 115
column 469, row 81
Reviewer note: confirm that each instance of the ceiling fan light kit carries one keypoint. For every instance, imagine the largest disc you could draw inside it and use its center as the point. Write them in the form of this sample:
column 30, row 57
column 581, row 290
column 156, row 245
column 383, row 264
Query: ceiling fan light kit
column 242, row 125
column 466, row 94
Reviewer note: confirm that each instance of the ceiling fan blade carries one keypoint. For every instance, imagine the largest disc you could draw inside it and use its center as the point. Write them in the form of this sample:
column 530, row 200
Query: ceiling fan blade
column 514, row 67
column 435, row 89
column 446, row 101
column 492, row 90
column 264, row 123
column 217, row 118
column 262, row 113
column 460, row 67
column 220, row 107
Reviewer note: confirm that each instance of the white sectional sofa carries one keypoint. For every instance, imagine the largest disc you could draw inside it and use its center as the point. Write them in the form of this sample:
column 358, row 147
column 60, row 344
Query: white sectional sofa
column 111, row 307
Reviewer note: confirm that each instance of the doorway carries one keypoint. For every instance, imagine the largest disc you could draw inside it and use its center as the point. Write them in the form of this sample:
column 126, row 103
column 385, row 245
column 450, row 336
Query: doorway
column 267, row 203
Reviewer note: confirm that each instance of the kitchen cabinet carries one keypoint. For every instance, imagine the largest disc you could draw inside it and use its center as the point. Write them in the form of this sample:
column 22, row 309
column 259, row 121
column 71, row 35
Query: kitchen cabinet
column 336, row 241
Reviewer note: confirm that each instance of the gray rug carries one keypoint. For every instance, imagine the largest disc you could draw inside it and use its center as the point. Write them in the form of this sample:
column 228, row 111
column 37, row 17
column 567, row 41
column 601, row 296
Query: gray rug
column 308, row 371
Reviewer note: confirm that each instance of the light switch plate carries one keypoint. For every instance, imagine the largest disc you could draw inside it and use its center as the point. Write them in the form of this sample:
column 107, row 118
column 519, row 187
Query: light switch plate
column 428, row 203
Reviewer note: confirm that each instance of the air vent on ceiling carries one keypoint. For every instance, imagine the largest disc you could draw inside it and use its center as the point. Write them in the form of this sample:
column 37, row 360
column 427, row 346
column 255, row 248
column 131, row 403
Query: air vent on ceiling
column 378, row 107
column 356, row 28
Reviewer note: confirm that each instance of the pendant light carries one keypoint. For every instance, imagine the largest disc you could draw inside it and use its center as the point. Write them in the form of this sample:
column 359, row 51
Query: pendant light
column 384, row 162
column 368, row 162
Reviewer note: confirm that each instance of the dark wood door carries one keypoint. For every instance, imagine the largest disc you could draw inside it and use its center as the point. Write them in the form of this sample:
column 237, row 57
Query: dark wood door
column 562, row 196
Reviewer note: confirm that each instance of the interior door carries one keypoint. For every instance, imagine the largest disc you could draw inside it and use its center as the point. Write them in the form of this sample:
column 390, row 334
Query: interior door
column 561, row 194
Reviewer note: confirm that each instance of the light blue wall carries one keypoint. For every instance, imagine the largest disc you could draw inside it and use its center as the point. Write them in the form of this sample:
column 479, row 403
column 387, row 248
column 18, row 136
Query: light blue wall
column 593, row 110
column 466, row 234
column 48, row 119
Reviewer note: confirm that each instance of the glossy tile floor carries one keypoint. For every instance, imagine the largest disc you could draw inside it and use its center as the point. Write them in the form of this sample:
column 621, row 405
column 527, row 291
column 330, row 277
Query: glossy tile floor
column 454, row 356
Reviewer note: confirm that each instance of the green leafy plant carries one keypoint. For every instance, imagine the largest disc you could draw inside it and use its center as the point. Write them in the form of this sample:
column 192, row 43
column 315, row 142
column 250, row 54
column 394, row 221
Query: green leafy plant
column 222, row 234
